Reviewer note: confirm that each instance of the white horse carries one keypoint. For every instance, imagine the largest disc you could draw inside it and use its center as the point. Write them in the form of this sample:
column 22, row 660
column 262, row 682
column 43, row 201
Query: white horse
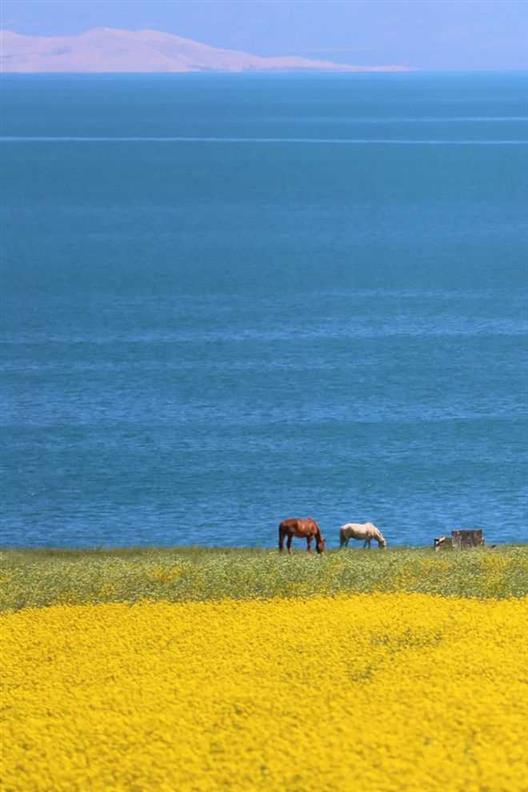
column 363, row 531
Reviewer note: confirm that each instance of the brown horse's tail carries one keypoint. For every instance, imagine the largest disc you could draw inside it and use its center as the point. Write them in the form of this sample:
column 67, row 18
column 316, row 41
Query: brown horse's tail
column 342, row 537
column 281, row 536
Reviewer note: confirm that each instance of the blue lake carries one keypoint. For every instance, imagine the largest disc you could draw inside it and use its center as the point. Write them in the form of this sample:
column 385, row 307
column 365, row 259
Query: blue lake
column 226, row 300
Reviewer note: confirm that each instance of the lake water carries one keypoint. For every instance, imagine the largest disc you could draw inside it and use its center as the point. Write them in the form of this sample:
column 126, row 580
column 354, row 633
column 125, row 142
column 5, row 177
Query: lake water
column 231, row 299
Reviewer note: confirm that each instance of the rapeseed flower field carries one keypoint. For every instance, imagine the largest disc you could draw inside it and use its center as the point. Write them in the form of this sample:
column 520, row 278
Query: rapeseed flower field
column 372, row 692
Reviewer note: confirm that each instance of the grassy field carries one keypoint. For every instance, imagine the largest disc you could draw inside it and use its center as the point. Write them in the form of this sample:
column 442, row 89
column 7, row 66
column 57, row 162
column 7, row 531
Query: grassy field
column 384, row 671
column 45, row 577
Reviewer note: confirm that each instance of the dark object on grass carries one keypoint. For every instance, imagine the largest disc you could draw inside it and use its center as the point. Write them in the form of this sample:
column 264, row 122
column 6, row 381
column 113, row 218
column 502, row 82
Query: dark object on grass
column 465, row 538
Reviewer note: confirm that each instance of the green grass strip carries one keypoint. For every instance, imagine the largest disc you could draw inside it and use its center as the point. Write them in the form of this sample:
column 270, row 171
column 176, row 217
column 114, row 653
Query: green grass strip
column 43, row 577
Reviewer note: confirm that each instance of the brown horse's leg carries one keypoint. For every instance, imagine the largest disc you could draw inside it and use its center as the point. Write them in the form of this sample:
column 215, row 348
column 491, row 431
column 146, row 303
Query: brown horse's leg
column 288, row 543
column 309, row 544
column 281, row 538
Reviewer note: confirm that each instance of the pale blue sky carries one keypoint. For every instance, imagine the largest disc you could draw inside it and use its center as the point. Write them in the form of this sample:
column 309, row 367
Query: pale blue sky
column 426, row 34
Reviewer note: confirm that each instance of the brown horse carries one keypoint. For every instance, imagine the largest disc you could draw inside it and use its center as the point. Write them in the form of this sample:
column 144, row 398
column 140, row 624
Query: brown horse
column 304, row 529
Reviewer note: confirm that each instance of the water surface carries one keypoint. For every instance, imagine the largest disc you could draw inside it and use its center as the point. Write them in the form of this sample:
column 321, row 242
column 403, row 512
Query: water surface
column 227, row 300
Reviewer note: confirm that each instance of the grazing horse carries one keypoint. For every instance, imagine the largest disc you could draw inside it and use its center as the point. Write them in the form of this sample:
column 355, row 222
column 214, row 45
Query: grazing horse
column 366, row 531
column 304, row 529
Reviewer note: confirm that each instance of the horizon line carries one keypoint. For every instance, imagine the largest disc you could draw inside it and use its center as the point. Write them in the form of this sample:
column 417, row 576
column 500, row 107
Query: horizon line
column 362, row 71
column 271, row 140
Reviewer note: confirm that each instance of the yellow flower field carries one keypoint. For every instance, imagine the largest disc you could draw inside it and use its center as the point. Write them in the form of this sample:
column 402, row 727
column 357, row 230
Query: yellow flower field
column 364, row 692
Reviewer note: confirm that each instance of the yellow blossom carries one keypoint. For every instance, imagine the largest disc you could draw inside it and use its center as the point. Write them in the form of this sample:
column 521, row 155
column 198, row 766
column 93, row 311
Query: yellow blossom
column 370, row 692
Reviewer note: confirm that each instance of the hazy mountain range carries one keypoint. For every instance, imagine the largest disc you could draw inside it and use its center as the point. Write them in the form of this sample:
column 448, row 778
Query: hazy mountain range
column 112, row 50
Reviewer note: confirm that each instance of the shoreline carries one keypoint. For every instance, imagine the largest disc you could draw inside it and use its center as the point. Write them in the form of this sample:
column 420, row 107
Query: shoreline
column 190, row 548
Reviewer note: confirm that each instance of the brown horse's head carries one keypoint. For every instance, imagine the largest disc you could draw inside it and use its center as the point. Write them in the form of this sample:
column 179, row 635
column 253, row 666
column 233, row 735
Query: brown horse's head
column 320, row 544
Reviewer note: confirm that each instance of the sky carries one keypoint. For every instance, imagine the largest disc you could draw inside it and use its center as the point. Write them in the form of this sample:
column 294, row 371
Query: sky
column 422, row 34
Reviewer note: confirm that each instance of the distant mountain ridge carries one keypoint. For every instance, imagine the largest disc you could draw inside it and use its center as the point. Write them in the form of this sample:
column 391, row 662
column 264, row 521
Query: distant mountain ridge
column 113, row 50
